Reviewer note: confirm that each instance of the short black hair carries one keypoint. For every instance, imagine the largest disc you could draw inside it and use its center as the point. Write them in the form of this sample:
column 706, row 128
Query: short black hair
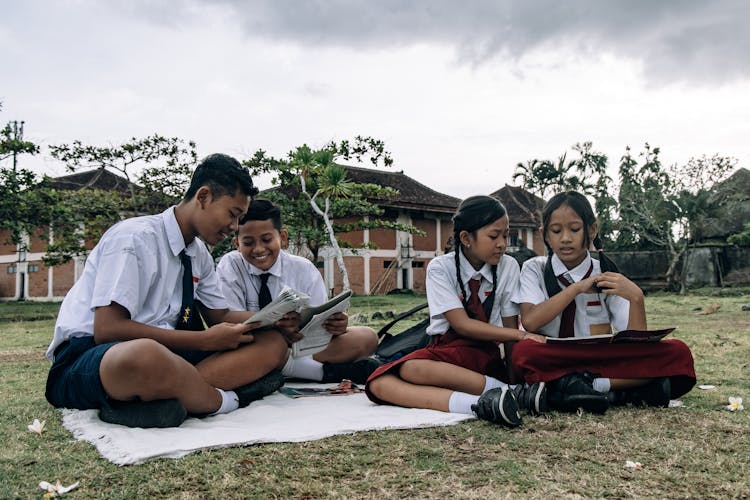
column 261, row 209
column 223, row 175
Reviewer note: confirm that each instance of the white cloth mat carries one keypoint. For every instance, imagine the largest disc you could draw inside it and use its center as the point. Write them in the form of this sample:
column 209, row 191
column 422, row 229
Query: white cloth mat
column 274, row 419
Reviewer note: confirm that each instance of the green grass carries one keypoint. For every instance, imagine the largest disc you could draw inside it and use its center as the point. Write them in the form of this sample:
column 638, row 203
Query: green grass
column 697, row 451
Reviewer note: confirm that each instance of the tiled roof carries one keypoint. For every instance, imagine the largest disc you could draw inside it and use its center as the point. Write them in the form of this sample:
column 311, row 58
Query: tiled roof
column 94, row 179
column 524, row 208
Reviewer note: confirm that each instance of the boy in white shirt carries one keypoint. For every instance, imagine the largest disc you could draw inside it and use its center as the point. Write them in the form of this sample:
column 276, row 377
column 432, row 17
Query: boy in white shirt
column 125, row 340
column 259, row 270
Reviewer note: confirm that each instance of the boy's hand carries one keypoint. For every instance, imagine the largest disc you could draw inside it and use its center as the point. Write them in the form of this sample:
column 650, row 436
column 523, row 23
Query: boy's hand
column 288, row 326
column 226, row 336
column 336, row 323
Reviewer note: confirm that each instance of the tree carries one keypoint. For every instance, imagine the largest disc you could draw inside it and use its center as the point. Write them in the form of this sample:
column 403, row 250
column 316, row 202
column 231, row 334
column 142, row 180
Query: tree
column 165, row 162
column 586, row 174
column 665, row 207
column 313, row 190
column 165, row 166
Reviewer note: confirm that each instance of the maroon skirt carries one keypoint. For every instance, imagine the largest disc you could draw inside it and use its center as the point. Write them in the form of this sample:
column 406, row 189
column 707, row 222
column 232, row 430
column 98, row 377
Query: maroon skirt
column 537, row 362
column 475, row 355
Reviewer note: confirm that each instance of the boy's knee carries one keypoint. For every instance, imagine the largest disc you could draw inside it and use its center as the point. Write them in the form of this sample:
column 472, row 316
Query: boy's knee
column 138, row 357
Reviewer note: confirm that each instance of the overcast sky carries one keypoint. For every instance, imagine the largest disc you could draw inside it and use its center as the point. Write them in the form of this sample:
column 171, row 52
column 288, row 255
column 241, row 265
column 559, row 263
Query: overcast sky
column 460, row 91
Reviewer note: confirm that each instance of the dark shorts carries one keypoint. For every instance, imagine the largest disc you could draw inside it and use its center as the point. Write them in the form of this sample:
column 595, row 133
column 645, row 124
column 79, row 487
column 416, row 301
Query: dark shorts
column 74, row 381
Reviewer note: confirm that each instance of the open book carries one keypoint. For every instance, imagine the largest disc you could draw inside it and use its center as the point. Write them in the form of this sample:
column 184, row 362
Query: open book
column 344, row 388
column 625, row 336
column 316, row 338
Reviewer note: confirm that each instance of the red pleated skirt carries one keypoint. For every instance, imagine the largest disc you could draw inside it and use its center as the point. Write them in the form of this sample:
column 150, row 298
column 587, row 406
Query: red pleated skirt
column 475, row 355
column 537, row 362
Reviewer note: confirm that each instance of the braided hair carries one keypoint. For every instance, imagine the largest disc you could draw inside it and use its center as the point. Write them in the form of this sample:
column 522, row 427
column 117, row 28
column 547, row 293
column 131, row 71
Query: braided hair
column 581, row 206
column 472, row 214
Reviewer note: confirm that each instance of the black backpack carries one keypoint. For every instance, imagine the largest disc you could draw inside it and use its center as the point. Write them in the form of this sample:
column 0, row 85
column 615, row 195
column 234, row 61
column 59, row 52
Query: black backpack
column 392, row 347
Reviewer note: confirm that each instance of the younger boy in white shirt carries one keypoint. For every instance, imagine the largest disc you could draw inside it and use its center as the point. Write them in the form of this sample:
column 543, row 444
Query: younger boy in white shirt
column 259, row 270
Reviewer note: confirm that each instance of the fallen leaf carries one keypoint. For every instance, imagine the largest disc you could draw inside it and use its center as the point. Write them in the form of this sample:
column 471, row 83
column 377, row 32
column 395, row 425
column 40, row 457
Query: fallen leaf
column 37, row 426
column 633, row 465
column 710, row 309
column 707, row 387
column 676, row 403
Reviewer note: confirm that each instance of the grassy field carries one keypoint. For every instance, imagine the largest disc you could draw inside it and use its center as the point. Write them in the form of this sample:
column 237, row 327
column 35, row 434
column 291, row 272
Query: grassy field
column 699, row 450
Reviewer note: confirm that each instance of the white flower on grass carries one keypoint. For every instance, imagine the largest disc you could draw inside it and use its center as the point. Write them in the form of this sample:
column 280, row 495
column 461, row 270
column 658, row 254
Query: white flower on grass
column 56, row 489
column 735, row 404
column 707, row 387
column 37, row 426
column 633, row 465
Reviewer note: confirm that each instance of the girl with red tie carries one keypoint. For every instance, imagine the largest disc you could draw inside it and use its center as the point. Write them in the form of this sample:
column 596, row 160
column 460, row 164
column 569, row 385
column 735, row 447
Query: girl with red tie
column 469, row 294
column 570, row 294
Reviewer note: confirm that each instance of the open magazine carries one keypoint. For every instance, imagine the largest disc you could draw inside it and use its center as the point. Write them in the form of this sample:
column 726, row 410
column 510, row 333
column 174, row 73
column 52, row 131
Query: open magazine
column 622, row 337
column 316, row 338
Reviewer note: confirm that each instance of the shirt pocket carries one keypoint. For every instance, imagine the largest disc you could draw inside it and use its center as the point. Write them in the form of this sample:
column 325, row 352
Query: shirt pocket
column 597, row 315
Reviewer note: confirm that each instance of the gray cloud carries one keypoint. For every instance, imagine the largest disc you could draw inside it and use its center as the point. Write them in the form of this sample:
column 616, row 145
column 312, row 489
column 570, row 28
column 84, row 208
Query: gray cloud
column 676, row 40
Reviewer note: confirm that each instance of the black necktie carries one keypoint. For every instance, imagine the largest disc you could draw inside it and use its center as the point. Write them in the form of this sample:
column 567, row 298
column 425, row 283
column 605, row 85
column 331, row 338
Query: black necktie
column 264, row 295
column 188, row 319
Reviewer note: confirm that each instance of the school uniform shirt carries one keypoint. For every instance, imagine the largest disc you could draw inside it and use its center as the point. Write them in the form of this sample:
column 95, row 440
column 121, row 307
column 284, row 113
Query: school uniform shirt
column 136, row 264
column 240, row 281
column 596, row 313
column 444, row 293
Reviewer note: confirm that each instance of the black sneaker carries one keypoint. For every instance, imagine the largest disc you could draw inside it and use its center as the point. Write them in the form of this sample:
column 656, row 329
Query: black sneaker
column 146, row 414
column 655, row 393
column 573, row 391
column 532, row 398
column 498, row 406
column 356, row 371
column 262, row 387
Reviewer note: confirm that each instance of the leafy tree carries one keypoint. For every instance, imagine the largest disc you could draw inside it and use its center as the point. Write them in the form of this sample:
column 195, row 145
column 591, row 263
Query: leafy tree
column 742, row 238
column 313, row 190
column 586, row 174
column 165, row 166
column 666, row 207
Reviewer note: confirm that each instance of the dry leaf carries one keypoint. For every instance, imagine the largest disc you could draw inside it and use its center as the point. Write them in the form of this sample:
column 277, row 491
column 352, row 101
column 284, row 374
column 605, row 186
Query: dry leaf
column 710, row 309
column 633, row 465
column 37, row 426
column 707, row 387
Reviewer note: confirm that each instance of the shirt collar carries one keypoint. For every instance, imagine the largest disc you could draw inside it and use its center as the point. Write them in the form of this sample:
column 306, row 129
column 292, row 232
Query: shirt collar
column 577, row 273
column 174, row 235
column 468, row 272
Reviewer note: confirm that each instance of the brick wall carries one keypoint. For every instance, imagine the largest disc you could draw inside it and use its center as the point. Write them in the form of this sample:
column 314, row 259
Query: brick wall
column 426, row 242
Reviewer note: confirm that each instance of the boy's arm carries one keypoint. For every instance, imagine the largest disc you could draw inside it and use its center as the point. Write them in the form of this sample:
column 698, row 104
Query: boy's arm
column 216, row 316
column 112, row 323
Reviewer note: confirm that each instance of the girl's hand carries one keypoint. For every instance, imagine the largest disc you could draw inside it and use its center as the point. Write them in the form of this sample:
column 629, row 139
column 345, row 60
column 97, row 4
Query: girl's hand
column 226, row 336
column 588, row 285
column 617, row 284
column 336, row 323
column 535, row 337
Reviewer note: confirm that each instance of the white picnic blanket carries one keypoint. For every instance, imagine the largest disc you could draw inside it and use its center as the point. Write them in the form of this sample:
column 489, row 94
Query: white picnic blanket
column 274, row 419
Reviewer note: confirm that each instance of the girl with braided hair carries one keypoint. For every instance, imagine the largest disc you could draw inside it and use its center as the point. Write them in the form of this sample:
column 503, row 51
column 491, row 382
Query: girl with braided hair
column 469, row 295
column 570, row 294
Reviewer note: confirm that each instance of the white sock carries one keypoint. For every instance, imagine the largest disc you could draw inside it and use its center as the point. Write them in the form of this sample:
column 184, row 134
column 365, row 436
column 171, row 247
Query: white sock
column 601, row 384
column 305, row 367
column 492, row 383
column 229, row 402
column 460, row 402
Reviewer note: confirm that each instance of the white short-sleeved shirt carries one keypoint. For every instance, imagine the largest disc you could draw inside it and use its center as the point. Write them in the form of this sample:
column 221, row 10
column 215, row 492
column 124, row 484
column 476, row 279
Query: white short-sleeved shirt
column 136, row 264
column 240, row 280
column 595, row 312
column 444, row 293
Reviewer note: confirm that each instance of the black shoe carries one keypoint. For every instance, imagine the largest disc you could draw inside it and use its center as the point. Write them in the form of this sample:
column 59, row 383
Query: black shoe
column 498, row 406
column 262, row 387
column 158, row 413
column 573, row 391
column 532, row 398
column 356, row 371
column 617, row 398
column 655, row 393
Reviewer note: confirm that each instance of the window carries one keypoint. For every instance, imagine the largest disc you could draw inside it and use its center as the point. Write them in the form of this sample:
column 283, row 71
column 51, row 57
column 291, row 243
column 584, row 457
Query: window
column 12, row 269
column 417, row 263
column 387, row 264
column 33, row 268
column 320, row 264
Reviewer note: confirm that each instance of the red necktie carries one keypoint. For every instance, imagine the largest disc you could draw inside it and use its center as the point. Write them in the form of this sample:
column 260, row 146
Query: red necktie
column 474, row 304
column 568, row 320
